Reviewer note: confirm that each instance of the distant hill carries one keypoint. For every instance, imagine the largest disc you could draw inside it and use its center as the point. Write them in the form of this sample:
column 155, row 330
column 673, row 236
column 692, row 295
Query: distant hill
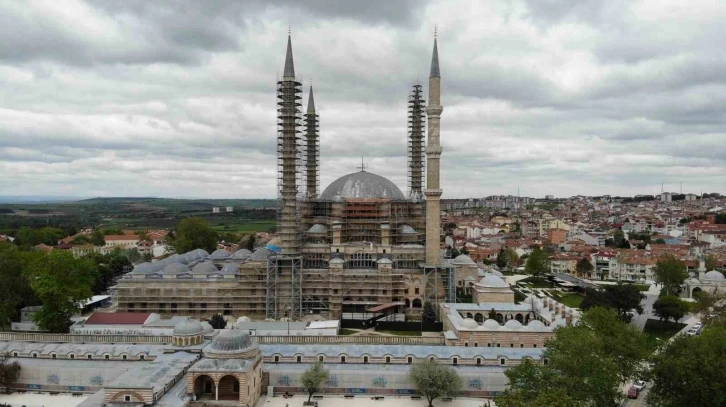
column 37, row 199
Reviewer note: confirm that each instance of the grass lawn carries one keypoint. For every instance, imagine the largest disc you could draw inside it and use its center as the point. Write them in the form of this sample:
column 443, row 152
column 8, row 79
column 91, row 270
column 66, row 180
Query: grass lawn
column 346, row 331
column 660, row 330
column 536, row 283
column 401, row 333
column 571, row 300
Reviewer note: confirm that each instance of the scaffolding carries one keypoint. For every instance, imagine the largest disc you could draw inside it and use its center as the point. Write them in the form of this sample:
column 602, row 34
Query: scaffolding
column 284, row 287
column 312, row 150
column 288, row 163
column 439, row 280
column 416, row 141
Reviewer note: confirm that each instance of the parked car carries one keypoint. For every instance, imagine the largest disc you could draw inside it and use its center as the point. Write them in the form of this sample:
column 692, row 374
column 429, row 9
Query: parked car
column 639, row 384
column 697, row 325
column 633, row 392
column 692, row 332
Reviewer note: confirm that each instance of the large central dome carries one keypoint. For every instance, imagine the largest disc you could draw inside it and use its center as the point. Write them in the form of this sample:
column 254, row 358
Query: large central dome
column 362, row 185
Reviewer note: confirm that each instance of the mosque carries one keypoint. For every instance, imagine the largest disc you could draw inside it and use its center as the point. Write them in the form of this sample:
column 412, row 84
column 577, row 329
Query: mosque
column 360, row 243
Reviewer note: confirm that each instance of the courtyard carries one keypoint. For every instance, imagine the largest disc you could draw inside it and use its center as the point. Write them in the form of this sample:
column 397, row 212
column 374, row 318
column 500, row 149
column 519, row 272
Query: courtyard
column 29, row 399
column 364, row 400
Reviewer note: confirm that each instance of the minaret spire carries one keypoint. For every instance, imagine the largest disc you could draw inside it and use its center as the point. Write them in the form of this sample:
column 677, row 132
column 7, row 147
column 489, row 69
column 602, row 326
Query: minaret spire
column 289, row 72
column 435, row 73
column 433, row 156
column 311, row 101
column 312, row 148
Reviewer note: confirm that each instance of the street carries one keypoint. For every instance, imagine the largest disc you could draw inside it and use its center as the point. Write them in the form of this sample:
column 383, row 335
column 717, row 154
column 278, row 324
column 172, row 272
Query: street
column 639, row 402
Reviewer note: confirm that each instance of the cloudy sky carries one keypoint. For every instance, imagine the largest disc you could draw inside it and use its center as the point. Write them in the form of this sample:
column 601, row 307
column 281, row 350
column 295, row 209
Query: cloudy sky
column 177, row 99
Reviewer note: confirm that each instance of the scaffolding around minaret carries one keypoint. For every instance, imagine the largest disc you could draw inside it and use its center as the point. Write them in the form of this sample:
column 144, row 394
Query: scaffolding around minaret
column 416, row 141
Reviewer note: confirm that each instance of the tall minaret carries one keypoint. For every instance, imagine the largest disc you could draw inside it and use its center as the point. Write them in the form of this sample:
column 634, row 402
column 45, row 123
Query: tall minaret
column 433, row 157
column 288, row 134
column 312, row 151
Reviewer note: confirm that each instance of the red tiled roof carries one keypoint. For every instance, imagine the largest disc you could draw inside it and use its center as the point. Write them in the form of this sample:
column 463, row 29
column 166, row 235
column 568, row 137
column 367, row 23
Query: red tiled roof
column 121, row 237
column 117, row 318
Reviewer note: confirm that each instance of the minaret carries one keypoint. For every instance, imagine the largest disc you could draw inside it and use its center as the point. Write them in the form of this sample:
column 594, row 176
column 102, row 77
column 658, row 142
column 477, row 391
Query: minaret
column 433, row 157
column 288, row 133
column 312, row 151
column 416, row 141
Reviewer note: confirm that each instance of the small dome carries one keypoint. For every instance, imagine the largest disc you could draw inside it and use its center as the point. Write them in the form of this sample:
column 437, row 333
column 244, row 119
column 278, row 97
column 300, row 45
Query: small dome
column 490, row 324
column 336, row 260
column 205, row 268
column 177, row 258
column 469, row 323
column 261, row 254
column 231, row 268
column 242, row 320
column 714, row 276
column 230, row 341
column 384, row 260
column 535, row 325
column 206, row 364
column 406, row 230
column 143, row 268
column 219, row 254
column 497, row 273
column 175, row 268
column 208, row 329
column 188, row 327
column 201, row 253
column 191, row 256
column 492, row 281
column 463, row 259
column 242, row 254
column 233, row 364
column 513, row 324
column 318, row 229
column 480, row 273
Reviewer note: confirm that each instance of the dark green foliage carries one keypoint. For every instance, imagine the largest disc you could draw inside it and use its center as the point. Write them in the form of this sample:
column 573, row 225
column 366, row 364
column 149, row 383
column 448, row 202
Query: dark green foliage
column 112, row 231
column 689, row 371
column 721, row 218
column 587, row 364
column 251, row 242
column 537, row 263
column 670, row 306
column 15, row 291
column 81, row 240
column 9, row 371
column 110, row 267
column 621, row 298
column 217, row 321
column 29, row 237
column 659, row 241
column 429, row 313
column 584, row 267
column 62, row 283
column 671, row 272
column 97, row 238
column 493, row 314
column 194, row 233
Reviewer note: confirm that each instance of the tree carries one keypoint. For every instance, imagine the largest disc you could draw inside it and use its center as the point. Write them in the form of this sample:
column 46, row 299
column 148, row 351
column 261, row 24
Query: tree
column 670, row 306
column 143, row 236
column 81, row 240
column 97, row 238
column 659, row 241
column 429, row 312
column 133, row 255
column 313, row 378
column 251, row 242
column 217, row 321
column 689, row 371
column 113, row 231
column 621, row 297
column 15, row 291
column 501, row 260
column 584, row 267
column 587, row 362
column 434, row 380
column 711, row 307
column 536, row 263
column 62, row 283
column 671, row 272
column 711, row 263
column 9, row 371
column 194, row 233
column 493, row 314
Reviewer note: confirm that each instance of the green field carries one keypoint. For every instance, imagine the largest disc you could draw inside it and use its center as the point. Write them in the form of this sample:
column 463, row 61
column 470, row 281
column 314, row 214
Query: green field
column 659, row 332
column 346, row 331
column 244, row 227
column 571, row 300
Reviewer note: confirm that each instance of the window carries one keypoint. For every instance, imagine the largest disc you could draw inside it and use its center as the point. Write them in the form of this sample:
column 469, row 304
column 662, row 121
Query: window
column 35, row 355
column 431, row 359
column 342, row 359
column 277, row 359
column 410, row 360
column 365, row 359
column 203, row 306
column 73, row 356
column 124, row 357
column 511, row 345
column 127, row 398
column 478, row 361
column 53, row 356
column 476, row 344
column 298, row 359
column 173, row 308
column 416, row 290
column 106, row 357
column 535, row 345
column 466, row 344
column 521, row 345
column 499, row 345
column 15, row 354
column 388, row 359
column 502, row 361
column 89, row 357
column 320, row 359
column 142, row 357
column 456, row 361
column 335, row 291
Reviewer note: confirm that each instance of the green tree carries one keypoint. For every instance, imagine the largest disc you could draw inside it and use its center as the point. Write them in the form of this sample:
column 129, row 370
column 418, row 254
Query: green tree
column 97, row 238
column 584, row 267
column 588, row 362
column 620, row 297
column 493, row 314
column 81, row 240
column 429, row 312
column 62, row 283
column 112, row 231
column 133, row 255
column 217, row 321
column 9, row 371
column 501, row 259
column 194, row 233
column 143, row 236
column 15, row 291
column 711, row 307
column 659, row 241
column 313, row 378
column 671, row 272
column 689, row 371
column 434, row 380
column 537, row 264
column 670, row 306
column 711, row 262
column 251, row 242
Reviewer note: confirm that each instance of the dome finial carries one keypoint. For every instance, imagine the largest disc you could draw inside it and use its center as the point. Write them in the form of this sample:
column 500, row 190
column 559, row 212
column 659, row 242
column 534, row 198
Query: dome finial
column 436, row 31
column 362, row 167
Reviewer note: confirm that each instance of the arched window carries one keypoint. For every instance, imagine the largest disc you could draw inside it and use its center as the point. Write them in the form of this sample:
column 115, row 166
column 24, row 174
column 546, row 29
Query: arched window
column 417, row 303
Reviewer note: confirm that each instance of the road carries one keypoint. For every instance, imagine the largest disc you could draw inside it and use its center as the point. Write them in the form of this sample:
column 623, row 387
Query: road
column 639, row 402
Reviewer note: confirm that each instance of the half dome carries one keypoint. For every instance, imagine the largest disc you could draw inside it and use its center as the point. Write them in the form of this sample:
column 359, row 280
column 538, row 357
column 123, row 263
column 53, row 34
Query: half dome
column 231, row 268
column 143, row 268
column 362, row 185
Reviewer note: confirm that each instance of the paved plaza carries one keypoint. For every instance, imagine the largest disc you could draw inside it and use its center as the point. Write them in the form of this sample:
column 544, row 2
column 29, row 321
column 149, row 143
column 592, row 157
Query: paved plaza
column 42, row 400
column 365, row 401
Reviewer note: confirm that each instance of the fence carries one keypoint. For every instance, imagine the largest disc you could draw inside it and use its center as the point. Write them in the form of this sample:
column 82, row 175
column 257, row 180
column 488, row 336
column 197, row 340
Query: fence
column 71, row 338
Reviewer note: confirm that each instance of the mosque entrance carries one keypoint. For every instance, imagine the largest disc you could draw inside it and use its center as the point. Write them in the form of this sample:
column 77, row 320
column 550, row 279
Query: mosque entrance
column 228, row 388
column 204, row 387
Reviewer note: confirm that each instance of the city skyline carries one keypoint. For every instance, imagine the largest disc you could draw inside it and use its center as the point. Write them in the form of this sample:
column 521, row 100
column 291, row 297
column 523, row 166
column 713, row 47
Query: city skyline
column 107, row 100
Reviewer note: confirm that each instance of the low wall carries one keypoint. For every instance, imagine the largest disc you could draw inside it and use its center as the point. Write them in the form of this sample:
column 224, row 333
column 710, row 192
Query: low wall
column 410, row 326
